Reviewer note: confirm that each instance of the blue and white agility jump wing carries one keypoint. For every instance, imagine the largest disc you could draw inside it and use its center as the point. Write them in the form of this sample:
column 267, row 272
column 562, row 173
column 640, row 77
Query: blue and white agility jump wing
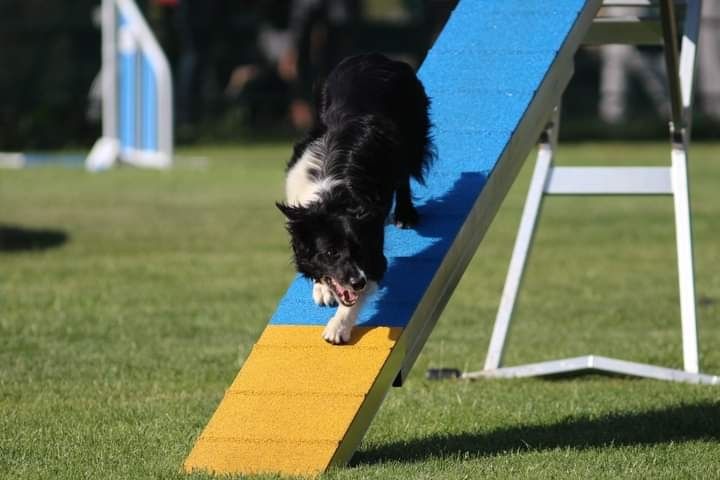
column 137, row 115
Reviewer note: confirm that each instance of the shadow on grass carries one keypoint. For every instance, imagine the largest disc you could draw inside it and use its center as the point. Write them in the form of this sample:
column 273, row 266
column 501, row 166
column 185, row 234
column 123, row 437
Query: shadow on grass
column 17, row 239
column 676, row 424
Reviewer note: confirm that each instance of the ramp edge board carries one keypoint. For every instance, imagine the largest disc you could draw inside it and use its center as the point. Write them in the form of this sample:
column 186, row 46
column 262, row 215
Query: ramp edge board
column 498, row 184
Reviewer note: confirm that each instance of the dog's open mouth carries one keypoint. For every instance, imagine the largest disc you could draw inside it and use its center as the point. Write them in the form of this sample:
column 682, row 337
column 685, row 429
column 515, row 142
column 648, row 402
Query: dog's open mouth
column 346, row 296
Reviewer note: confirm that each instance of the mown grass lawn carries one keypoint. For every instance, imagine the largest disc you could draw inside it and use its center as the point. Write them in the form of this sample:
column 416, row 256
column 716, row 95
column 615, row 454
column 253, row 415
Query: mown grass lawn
column 145, row 290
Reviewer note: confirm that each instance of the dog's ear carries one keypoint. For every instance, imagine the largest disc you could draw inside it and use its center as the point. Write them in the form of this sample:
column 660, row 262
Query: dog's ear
column 290, row 212
column 363, row 213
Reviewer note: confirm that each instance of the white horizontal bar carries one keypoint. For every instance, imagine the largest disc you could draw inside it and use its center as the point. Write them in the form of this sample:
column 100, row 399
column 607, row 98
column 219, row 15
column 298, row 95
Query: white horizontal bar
column 12, row 160
column 609, row 181
column 629, row 3
column 636, row 3
column 625, row 30
column 594, row 362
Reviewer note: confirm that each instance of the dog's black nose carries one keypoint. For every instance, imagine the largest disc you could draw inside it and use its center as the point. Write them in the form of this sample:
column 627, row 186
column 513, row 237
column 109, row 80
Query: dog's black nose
column 358, row 283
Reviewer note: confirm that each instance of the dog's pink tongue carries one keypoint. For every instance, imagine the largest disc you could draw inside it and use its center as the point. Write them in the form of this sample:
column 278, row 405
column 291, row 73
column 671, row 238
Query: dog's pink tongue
column 349, row 296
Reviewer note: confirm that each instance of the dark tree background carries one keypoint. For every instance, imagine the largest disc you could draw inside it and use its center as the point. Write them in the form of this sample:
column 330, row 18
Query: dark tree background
column 50, row 54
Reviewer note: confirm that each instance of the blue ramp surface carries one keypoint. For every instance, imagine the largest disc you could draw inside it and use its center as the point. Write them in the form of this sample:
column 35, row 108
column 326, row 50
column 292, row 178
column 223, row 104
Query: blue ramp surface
column 482, row 74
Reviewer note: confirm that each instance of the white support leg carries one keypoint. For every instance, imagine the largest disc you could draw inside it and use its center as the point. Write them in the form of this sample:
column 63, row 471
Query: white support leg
column 681, row 191
column 686, row 276
column 523, row 242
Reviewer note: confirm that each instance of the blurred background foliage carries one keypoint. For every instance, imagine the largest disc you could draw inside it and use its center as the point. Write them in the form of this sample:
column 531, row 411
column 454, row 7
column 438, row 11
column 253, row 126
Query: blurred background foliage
column 50, row 57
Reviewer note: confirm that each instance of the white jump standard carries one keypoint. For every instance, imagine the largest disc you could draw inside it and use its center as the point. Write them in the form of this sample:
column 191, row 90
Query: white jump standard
column 137, row 115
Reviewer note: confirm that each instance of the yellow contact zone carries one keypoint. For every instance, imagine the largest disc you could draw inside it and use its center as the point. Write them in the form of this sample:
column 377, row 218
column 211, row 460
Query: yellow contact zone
column 298, row 404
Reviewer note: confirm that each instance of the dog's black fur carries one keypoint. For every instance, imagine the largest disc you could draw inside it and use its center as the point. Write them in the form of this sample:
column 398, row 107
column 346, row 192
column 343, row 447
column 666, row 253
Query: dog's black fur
column 372, row 134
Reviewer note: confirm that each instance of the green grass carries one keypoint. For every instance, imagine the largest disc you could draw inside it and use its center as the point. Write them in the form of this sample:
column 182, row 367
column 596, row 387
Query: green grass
column 117, row 343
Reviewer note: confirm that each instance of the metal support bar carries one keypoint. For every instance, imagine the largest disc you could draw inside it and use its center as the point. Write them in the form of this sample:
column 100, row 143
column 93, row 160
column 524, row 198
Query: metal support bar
column 686, row 275
column 523, row 242
column 669, row 23
column 609, row 181
column 688, row 57
column 597, row 363
column 681, row 93
column 631, row 29
column 635, row 3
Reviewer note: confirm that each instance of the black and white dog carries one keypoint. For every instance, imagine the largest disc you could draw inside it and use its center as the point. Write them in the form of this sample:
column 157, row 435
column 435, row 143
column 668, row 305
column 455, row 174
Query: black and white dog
column 372, row 134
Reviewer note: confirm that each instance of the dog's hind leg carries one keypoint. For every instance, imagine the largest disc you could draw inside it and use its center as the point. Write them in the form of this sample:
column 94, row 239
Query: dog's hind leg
column 405, row 214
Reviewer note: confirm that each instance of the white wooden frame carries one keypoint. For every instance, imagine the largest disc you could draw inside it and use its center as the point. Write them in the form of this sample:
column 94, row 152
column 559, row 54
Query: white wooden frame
column 548, row 179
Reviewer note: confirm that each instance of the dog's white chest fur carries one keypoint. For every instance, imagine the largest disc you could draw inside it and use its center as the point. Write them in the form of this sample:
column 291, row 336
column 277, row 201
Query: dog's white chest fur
column 301, row 187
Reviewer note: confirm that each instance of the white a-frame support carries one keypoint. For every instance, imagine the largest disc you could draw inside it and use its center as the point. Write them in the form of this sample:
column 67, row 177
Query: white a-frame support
column 548, row 179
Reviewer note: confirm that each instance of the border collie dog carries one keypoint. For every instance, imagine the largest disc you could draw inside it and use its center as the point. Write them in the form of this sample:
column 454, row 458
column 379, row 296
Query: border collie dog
column 371, row 134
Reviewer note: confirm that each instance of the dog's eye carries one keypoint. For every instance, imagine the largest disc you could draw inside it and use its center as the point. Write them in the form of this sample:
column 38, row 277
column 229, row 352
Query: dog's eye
column 360, row 214
column 330, row 253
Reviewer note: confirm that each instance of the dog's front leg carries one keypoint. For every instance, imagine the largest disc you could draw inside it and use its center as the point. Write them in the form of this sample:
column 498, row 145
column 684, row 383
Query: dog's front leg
column 322, row 294
column 340, row 326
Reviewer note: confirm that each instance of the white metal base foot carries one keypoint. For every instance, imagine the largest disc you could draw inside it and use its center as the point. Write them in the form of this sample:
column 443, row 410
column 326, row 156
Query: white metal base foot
column 146, row 158
column 594, row 362
column 107, row 152
column 103, row 155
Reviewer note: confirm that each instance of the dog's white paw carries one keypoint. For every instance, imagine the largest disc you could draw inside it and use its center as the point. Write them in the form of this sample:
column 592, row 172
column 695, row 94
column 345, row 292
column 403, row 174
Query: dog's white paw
column 322, row 295
column 337, row 332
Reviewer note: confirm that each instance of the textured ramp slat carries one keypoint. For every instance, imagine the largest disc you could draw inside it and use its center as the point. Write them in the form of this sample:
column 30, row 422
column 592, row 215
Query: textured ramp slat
column 362, row 337
column 298, row 416
column 246, row 456
column 294, row 401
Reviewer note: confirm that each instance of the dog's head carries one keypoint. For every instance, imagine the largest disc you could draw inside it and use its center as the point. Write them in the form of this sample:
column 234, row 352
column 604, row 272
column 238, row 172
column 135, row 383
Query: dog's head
column 342, row 249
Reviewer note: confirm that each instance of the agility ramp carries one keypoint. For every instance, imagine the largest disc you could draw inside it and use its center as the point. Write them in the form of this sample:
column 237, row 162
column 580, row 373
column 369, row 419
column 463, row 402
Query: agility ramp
column 299, row 405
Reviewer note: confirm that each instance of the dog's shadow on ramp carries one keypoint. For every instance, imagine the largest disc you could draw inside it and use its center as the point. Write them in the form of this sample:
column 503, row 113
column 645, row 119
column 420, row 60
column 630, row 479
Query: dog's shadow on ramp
column 14, row 238
column 358, row 333
column 676, row 424
column 414, row 255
